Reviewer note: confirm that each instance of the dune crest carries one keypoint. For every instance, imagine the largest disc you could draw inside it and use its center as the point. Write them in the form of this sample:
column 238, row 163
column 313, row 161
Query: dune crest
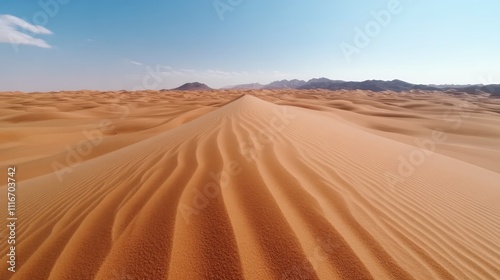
column 256, row 190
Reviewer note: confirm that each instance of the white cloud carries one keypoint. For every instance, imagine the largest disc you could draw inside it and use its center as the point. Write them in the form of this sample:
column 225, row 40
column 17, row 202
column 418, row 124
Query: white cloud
column 199, row 74
column 14, row 30
column 134, row 62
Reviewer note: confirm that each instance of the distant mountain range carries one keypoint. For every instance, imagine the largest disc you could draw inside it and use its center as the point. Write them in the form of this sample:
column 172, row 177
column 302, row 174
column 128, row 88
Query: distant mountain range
column 285, row 84
column 372, row 85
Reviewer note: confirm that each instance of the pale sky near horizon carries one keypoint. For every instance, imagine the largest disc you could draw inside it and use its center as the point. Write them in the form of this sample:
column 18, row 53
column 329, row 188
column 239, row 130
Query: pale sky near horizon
column 111, row 45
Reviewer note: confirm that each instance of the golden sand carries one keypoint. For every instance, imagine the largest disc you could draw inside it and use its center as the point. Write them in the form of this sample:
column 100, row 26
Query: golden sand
column 252, row 185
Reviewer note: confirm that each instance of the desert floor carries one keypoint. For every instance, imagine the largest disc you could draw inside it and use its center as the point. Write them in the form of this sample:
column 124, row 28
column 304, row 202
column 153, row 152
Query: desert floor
column 252, row 185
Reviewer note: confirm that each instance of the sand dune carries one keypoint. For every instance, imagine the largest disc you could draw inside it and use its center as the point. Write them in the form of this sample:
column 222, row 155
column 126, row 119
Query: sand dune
column 253, row 185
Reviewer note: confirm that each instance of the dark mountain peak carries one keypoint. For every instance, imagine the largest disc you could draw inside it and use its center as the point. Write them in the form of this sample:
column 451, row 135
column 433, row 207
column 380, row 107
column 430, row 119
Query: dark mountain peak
column 193, row 86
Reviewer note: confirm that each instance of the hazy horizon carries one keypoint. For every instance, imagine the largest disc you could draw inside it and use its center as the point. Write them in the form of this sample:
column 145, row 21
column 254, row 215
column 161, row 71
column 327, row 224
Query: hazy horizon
column 68, row 45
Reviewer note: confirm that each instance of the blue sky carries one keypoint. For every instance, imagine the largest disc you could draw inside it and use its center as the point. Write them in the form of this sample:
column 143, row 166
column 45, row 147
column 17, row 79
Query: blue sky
column 111, row 45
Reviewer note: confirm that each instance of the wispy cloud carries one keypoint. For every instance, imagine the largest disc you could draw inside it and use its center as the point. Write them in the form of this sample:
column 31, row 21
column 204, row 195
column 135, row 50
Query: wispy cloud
column 201, row 74
column 14, row 30
column 134, row 62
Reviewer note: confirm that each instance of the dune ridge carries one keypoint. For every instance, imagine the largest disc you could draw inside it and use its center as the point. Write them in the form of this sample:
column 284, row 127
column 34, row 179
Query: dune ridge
column 255, row 189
